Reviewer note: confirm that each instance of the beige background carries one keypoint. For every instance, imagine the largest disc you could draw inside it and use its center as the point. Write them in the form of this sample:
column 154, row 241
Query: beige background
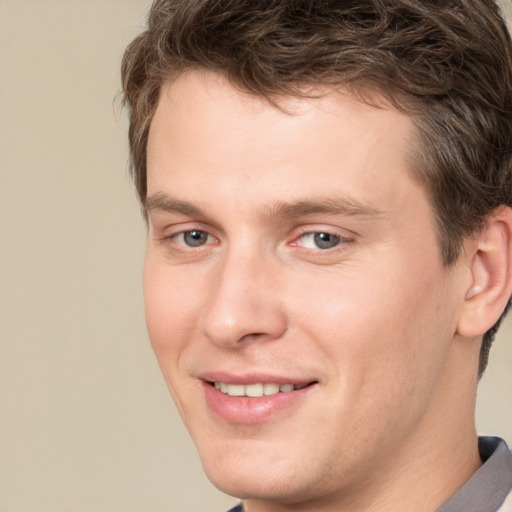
column 86, row 423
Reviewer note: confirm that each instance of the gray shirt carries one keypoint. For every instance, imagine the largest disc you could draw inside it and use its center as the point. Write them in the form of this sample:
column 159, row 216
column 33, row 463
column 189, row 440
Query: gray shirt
column 488, row 488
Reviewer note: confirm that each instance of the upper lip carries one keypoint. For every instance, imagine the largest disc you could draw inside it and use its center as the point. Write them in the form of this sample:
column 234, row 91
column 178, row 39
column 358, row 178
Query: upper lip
column 253, row 378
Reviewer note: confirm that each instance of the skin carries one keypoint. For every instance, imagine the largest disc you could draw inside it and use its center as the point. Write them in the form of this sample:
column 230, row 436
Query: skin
column 374, row 321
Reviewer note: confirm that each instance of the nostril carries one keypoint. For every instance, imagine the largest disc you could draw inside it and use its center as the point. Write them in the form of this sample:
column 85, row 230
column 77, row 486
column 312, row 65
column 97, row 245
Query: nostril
column 252, row 335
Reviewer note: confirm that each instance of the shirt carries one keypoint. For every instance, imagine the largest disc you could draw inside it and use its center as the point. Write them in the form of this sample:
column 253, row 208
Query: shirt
column 488, row 488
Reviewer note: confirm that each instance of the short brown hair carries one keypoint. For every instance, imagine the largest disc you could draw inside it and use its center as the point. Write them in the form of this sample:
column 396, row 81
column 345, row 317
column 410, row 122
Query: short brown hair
column 446, row 63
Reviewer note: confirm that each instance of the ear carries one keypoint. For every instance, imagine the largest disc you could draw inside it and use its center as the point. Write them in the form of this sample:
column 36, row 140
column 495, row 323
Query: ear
column 491, row 275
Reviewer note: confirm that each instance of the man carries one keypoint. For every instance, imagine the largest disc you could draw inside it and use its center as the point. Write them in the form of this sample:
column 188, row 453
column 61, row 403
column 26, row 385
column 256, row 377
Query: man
column 327, row 186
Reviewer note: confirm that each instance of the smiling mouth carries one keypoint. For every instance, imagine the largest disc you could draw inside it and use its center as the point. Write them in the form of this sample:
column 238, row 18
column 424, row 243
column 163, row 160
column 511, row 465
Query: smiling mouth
column 257, row 389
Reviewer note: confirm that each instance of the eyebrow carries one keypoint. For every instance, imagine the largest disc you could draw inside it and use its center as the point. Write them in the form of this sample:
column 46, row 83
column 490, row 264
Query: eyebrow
column 164, row 203
column 331, row 205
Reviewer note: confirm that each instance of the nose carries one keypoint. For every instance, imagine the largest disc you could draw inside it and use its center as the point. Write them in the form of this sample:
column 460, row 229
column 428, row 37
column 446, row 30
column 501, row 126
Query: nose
column 244, row 302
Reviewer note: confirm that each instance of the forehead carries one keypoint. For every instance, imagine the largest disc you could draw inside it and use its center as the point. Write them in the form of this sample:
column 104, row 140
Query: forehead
column 204, row 125
column 193, row 89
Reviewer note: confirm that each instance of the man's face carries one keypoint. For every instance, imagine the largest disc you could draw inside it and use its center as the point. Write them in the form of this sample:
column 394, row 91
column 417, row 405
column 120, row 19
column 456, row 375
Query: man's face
column 294, row 251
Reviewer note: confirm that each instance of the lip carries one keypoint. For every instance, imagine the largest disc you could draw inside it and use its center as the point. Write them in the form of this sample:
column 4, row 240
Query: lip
column 248, row 410
column 253, row 378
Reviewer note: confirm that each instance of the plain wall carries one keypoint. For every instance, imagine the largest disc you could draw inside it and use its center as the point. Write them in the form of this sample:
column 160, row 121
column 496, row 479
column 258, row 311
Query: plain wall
column 86, row 421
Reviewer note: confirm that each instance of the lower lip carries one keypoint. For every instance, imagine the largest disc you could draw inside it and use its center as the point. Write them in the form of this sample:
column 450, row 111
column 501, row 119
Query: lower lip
column 248, row 410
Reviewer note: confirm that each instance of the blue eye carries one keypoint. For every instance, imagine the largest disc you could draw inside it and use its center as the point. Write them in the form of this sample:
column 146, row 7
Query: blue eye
column 194, row 238
column 320, row 240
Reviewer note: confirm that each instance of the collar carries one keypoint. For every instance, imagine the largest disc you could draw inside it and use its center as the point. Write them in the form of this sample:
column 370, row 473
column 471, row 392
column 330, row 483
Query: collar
column 488, row 488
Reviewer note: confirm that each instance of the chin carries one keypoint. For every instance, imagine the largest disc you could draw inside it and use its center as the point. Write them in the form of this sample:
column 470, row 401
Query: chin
column 245, row 487
column 257, row 476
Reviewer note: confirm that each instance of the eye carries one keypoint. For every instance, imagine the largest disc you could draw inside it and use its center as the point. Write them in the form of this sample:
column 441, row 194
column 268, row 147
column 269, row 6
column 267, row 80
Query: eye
column 319, row 240
column 194, row 238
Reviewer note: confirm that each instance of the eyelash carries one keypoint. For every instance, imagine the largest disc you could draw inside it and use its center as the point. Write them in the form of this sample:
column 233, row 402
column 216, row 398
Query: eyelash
column 183, row 234
column 341, row 240
column 181, row 245
column 174, row 242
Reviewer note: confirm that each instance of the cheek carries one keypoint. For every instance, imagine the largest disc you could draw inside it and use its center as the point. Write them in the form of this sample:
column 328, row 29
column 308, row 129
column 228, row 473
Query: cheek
column 170, row 305
column 170, row 308
column 376, row 336
column 377, row 328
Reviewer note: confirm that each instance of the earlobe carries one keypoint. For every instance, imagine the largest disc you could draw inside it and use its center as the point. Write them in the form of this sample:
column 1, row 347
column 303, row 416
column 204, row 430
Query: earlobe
column 491, row 276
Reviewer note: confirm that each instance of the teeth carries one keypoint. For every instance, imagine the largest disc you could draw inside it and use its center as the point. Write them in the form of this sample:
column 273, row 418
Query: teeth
column 270, row 389
column 236, row 390
column 255, row 390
